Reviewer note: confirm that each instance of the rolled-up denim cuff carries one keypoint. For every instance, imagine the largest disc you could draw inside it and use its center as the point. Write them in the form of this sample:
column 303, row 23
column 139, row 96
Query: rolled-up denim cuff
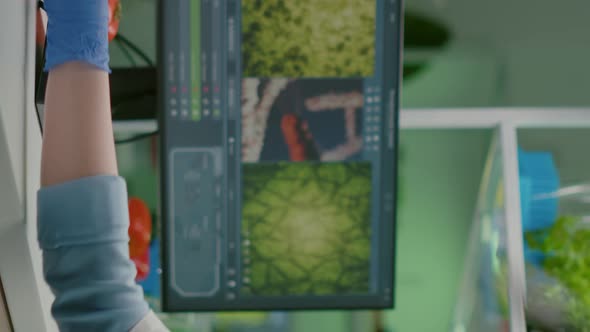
column 86, row 211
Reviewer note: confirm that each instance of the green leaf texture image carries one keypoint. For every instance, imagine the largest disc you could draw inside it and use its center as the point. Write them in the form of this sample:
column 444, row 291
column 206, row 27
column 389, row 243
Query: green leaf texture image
column 306, row 228
column 308, row 38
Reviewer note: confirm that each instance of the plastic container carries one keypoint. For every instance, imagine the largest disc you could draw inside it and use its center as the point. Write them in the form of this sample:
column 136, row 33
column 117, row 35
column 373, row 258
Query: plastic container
column 556, row 226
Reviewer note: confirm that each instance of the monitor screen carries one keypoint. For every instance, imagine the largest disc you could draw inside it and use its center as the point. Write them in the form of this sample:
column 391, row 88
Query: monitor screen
column 279, row 140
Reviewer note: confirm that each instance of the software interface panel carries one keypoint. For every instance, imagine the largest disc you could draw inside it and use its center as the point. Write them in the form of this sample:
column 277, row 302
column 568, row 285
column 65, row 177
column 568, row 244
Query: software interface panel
column 279, row 129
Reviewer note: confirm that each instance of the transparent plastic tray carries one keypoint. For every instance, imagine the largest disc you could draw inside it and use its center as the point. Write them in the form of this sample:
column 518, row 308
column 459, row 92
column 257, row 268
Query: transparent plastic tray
column 558, row 248
column 483, row 303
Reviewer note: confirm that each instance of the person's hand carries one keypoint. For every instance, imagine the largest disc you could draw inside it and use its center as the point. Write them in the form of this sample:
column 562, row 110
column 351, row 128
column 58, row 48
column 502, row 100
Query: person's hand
column 77, row 30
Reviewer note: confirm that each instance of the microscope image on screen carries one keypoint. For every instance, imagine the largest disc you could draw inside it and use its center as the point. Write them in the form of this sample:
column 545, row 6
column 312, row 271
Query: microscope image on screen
column 292, row 108
column 306, row 228
column 308, row 38
column 304, row 65
column 302, row 120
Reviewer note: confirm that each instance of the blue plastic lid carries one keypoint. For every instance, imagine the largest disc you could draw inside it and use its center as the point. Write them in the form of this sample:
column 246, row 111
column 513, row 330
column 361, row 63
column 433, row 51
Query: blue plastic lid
column 538, row 175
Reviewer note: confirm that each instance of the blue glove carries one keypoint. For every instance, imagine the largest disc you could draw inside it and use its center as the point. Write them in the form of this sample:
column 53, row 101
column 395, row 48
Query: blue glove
column 77, row 30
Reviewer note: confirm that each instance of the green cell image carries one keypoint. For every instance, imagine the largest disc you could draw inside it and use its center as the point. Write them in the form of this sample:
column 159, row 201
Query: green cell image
column 306, row 228
column 308, row 38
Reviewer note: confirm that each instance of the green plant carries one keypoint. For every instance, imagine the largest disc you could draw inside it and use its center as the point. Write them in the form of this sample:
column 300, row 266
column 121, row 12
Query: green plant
column 567, row 248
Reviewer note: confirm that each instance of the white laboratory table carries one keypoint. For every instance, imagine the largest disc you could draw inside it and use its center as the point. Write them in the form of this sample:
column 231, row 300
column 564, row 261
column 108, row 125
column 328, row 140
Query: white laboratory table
column 27, row 296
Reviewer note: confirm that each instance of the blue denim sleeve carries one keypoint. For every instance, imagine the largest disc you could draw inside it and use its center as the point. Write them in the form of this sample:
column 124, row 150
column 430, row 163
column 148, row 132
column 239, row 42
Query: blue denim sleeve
column 83, row 231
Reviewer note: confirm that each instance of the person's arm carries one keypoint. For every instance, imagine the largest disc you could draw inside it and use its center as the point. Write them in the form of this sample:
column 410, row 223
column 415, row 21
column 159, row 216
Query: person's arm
column 82, row 205
column 78, row 134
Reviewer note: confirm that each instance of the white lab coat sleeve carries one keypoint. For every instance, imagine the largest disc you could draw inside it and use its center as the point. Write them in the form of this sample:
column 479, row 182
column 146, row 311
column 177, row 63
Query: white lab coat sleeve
column 150, row 323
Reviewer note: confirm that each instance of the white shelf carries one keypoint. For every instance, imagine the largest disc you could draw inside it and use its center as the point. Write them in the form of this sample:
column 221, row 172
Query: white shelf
column 472, row 118
column 466, row 118
column 134, row 126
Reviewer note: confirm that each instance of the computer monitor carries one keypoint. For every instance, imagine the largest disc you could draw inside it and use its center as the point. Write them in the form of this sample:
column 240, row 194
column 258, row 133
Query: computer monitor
column 279, row 140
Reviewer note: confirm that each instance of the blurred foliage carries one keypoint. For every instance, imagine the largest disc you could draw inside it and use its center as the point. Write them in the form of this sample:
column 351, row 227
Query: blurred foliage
column 567, row 248
column 308, row 38
column 306, row 228
column 424, row 32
